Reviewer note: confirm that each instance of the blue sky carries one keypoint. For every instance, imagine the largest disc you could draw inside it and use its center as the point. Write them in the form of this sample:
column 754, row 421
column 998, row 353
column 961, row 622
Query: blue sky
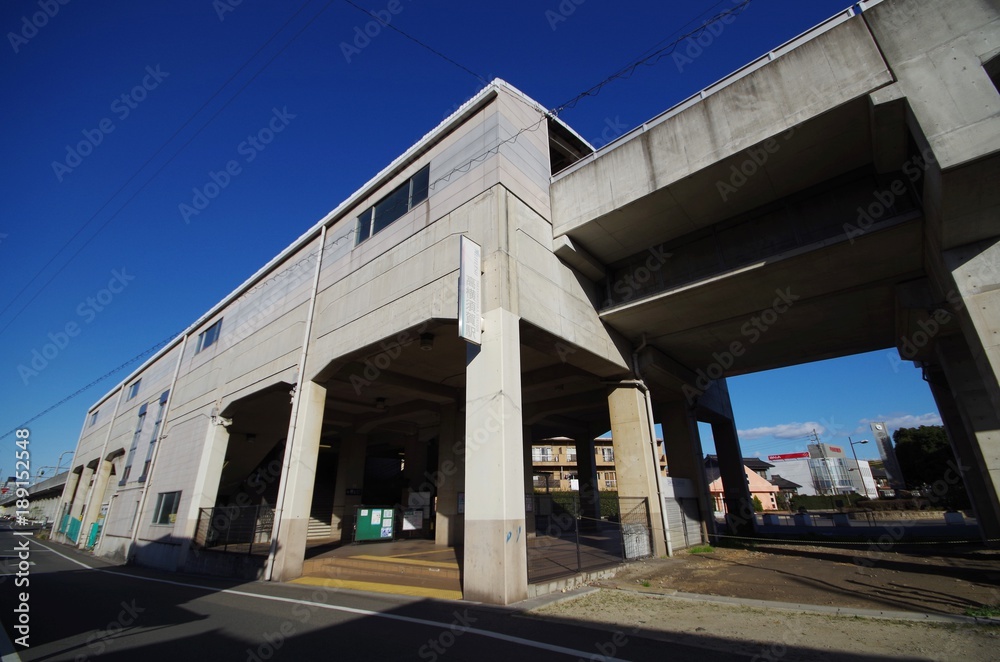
column 117, row 113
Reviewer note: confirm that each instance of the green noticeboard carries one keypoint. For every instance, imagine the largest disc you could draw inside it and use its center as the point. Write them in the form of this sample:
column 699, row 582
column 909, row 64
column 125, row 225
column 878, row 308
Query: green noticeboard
column 374, row 523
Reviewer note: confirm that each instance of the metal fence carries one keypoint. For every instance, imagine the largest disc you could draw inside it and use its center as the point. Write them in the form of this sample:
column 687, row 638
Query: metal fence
column 574, row 535
column 234, row 529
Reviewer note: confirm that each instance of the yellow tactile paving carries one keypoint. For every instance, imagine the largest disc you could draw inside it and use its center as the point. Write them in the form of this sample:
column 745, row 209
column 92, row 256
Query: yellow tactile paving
column 396, row 559
column 376, row 587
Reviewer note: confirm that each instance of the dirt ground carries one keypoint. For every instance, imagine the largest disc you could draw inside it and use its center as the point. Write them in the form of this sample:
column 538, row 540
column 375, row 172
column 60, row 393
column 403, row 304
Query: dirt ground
column 645, row 597
column 904, row 579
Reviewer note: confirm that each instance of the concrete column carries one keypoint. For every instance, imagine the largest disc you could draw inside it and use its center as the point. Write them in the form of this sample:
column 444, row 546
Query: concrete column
column 634, row 463
column 495, row 551
column 206, row 483
column 82, row 489
column 80, row 499
column 93, row 508
column 300, row 475
column 529, row 482
column 349, row 483
column 449, row 479
column 979, row 447
column 414, row 465
column 682, row 444
column 968, row 463
column 975, row 270
column 586, row 468
column 66, row 503
column 739, row 505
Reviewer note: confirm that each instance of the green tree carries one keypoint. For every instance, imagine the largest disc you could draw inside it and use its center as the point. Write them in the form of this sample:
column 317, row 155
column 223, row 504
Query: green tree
column 758, row 507
column 925, row 456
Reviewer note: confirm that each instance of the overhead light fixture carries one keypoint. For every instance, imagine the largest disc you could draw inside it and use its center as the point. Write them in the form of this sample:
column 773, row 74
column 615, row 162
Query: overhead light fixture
column 380, row 403
column 426, row 341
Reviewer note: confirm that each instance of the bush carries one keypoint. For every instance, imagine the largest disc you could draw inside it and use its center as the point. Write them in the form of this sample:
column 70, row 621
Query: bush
column 758, row 507
column 826, row 502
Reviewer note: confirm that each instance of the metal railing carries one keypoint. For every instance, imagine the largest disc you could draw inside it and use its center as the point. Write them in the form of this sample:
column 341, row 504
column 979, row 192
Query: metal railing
column 235, row 529
column 575, row 533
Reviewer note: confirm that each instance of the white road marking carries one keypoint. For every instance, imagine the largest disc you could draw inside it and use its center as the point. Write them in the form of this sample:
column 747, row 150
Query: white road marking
column 351, row 610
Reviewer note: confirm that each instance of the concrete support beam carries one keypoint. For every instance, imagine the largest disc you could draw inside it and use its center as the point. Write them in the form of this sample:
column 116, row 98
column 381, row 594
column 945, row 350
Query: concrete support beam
column 69, row 493
column 82, row 490
column 968, row 461
column 682, row 443
column 586, row 468
column 299, row 476
column 736, row 492
column 450, row 479
column 529, row 482
column 975, row 269
column 495, row 551
column 93, row 508
column 206, row 483
column 414, row 466
column 349, row 483
column 635, row 466
column 981, row 422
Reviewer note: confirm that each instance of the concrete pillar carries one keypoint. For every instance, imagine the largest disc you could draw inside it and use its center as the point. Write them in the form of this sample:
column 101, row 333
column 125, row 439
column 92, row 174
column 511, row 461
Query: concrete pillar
column 979, row 447
column 82, row 490
column 682, row 444
column 736, row 492
column 968, row 463
column 975, row 270
column 206, row 483
column 529, row 482
column 93, row 508
column 348, row 485
column 66, row 502
column 414, row 466
column 586, row 471
column 449, row 479
column 299, row 476
column 635, row 466
column 495, row 550
column 80, row 498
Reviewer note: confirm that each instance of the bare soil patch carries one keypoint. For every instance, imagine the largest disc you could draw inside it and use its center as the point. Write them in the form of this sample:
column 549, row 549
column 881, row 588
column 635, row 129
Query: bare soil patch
column 942, row 581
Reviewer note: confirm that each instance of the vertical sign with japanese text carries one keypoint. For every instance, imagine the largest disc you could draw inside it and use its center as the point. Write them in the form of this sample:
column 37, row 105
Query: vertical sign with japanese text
column 470, row 292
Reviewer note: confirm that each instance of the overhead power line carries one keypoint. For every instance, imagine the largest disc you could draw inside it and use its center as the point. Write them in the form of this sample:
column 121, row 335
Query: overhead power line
column 97, row 381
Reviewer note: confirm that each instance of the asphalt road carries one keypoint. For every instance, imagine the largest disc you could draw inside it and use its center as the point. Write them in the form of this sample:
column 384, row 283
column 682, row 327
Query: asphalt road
column 82, row 608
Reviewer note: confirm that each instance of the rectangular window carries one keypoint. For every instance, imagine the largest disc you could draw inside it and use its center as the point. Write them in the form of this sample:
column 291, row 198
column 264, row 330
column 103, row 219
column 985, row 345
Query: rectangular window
column 166, row 507
column 133, row 390
column 156, row 433
column 93, row 419
column 135, row 444
column 208, row 337
column 390, row 208
column 608, row 454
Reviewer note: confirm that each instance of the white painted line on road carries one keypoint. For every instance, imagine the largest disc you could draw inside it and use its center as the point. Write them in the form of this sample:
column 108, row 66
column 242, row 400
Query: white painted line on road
column 351, row 610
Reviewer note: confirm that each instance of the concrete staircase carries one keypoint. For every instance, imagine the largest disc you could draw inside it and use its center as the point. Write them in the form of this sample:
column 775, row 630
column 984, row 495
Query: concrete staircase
column 385, row 574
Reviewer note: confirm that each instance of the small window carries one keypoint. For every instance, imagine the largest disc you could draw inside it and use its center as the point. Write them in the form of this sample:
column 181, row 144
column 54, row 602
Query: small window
column 93, row 418
column 391, row 207
column 208, row 337
column 166, row 507
column 133, row 390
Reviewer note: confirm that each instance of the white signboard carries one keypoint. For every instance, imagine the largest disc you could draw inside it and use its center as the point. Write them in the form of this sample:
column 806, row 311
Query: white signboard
column 470, row 293
column 413, row 519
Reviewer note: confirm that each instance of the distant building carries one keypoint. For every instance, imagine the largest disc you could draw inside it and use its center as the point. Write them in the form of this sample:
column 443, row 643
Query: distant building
column 759, row 486
column 888, row 454
column 555, row 467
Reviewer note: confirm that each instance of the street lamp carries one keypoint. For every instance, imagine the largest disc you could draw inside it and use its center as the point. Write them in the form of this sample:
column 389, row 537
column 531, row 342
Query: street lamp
column 59, row 463
column 864, row 488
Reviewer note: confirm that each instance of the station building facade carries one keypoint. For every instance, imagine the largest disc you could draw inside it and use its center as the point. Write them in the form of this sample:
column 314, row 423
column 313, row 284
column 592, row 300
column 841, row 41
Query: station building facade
column 618, row 287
